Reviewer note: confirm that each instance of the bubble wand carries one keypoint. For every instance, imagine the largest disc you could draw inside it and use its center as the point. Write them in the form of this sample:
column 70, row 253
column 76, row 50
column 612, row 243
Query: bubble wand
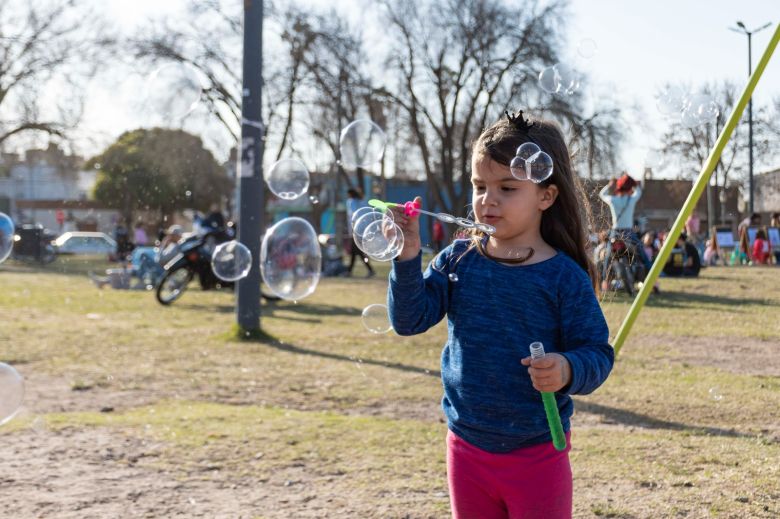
column 550, row 405
column 413, row 209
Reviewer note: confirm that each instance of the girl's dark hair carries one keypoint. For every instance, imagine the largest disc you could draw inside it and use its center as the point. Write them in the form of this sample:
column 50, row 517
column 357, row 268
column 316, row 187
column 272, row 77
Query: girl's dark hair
column 761, row 234
column 565, row 223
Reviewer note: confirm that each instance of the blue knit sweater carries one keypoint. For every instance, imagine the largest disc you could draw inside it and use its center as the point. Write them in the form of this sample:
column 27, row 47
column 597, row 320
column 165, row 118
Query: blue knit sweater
column 494, row 311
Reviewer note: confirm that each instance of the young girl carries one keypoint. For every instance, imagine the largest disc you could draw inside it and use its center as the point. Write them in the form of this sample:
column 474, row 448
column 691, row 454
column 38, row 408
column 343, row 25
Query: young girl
column 531, row 280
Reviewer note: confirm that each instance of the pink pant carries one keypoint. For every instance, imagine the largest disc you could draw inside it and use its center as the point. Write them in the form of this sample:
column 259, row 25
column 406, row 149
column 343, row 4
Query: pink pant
column 532, row 482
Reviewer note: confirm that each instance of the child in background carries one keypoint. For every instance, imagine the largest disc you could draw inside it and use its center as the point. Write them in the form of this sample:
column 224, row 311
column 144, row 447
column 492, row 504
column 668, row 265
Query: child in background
column 532, row 280
column 761, row 249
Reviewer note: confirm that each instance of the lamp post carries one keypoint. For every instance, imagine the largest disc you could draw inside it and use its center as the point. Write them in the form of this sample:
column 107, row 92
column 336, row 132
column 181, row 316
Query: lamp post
column 743, row 30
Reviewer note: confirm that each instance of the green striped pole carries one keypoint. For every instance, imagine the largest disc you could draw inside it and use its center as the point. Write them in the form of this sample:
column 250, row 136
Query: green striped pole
column 694, row 195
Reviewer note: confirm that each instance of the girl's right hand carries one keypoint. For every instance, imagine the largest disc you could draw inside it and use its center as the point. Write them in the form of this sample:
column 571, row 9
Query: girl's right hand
column 410, row 226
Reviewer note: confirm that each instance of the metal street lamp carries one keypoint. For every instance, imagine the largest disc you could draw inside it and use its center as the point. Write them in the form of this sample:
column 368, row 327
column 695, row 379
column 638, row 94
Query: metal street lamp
column 743, row 30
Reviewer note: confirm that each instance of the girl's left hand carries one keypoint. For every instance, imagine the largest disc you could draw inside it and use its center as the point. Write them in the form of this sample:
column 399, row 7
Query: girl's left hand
column 550, row 373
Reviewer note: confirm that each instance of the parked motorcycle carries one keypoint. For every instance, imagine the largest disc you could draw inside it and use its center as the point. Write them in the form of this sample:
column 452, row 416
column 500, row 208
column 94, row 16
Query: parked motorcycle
column 626, row 268
column 34, row 243
column 194, row 259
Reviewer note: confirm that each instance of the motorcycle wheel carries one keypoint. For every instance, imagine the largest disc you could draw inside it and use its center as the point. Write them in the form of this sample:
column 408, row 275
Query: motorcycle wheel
column 173, row 285
column 625, row 275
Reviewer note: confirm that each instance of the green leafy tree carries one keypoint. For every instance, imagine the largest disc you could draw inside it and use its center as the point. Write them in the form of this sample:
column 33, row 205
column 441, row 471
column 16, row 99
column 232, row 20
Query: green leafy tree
column 159, row 169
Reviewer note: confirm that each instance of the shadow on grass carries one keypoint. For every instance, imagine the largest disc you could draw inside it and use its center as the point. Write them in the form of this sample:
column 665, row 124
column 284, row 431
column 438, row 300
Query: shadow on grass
column 691, row 299
column 261, row 337
column 624, row 417
column 316, row 309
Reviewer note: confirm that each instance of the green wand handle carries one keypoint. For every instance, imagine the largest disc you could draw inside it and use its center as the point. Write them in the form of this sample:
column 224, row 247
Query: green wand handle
column 550, row 405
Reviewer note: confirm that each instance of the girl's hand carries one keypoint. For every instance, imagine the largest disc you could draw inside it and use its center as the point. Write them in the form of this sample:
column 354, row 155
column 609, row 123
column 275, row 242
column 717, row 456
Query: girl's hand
column 410, row 225
column 550, row 373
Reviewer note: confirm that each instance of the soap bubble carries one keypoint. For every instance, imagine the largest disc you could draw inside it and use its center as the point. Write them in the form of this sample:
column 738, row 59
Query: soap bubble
column 671, row 100
column 11, row 392
column 288, row 179
column 394, row 248
column 699, row 110
column 383, row 240
column 362, row 144
column 465, row 223
column 362, row 211
column 486, row 228
column 363, row 222
column 530, row 163
column 173, row 91
column 568, row 79
column 6, row 236
column 290, row 259
column 548, row 80
column 376, row 319
column 526, row 150
column 539, row 167
column 559, row 79
column 715, row 394
column 231, row 261
column 587, row 48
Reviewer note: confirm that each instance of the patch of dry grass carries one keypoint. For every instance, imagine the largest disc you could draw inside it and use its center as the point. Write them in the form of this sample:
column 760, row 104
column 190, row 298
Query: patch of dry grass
column 352, row 411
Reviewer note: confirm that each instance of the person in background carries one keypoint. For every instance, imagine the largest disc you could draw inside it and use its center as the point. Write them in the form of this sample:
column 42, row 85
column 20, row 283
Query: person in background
column 60, row 217
column 70, row 223
column 215, row 220
column 750, row 221
column 761, row 249
column 169, row 245
column 438, row 235
column 600, row 251
column 621, row 195
column 139, row 235
column 355, row 202
column 775, row 222
column 648, row 242
column 740, row 254
column 712, row 253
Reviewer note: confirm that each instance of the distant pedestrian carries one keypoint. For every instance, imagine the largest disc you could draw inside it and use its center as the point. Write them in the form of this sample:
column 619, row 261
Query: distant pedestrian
column 438, row 235
column 139, row 235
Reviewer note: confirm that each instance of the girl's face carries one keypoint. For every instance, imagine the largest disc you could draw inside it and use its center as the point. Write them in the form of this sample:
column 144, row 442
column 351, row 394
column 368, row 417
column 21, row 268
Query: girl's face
column 514, row 207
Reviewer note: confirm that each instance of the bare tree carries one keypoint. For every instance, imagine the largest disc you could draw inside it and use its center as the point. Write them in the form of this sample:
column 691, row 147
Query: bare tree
column 48, row 44
column 688, row 148
column 458, row 66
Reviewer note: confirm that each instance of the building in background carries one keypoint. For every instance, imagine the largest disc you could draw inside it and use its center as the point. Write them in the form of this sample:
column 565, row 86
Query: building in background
column 36, row 186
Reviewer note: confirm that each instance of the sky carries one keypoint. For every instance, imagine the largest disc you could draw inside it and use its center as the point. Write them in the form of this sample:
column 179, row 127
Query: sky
column 641, row 46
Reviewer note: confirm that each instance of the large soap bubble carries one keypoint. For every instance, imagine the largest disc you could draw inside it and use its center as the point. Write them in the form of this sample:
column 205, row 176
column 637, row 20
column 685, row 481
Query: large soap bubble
column 671, row 100
column 382, row 240
column 362, row 144
column 6, row 236
column 559, row 79
column 173, row 91
column 11, row 392
column 290, row 259
column 288, row 179
column 698, row 110
column 362, row 224
column 231, row 261
column 376, row 319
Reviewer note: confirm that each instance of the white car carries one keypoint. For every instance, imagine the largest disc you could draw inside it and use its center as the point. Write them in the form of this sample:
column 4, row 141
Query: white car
column 79, row 242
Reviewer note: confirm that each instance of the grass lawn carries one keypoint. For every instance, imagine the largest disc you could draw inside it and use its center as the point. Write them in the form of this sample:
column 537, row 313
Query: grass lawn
column 134, row 409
